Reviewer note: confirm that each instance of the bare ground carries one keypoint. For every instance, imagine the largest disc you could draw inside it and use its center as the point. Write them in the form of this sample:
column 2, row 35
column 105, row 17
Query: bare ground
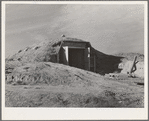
column 102, row 92
column 46, row 84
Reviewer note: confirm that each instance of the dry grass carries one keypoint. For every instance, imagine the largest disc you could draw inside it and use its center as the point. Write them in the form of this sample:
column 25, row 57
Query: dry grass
column 50, row 74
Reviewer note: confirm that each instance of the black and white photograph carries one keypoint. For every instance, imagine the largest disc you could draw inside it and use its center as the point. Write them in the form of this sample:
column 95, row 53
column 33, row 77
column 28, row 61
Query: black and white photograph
column 74, row 56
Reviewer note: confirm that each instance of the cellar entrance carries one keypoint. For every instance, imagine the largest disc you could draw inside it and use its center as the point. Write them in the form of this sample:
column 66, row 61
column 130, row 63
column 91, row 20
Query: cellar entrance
column 76, row 58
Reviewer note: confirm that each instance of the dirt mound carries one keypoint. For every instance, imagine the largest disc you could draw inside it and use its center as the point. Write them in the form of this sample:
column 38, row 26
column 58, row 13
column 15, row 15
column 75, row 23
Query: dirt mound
column 48, row 51
column 50, row 74
column 127, row 61
column 39, row 52
column 46, row 84
column 45, row 51
column 138, row 70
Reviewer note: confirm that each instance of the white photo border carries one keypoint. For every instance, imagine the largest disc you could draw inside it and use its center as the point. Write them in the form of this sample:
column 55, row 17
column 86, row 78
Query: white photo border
column 75, row 113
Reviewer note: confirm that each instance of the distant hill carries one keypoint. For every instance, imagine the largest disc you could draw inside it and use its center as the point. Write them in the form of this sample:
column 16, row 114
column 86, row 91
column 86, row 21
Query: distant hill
column 130, row 56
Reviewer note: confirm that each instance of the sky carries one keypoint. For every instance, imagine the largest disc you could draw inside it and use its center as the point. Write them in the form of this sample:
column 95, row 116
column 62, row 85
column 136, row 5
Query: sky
column 109, row 28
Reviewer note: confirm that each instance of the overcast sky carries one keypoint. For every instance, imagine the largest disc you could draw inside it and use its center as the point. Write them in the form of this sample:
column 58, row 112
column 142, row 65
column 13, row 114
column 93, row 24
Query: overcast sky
column 109, row 28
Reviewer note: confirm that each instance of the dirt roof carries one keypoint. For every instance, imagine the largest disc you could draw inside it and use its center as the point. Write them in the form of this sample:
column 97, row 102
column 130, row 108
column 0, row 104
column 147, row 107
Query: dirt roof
column 73, row 39
column 38, row 52
column 41, row 52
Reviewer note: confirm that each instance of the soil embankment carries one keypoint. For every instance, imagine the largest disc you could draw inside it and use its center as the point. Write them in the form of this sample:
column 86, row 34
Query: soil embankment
column 47, row 84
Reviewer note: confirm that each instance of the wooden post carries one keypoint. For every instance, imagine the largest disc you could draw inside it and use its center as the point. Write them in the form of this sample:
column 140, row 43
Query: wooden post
column 133, row 64
column 94, row 63
column 58, row 57
column 89, row 58
column 67, row 55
